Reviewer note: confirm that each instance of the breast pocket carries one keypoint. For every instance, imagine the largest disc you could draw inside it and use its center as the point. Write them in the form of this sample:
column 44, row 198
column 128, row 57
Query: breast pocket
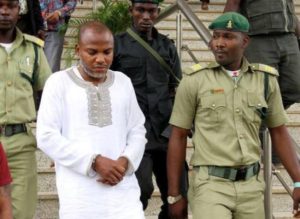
column 133, row 68
column 257, row 107
column 213, row 108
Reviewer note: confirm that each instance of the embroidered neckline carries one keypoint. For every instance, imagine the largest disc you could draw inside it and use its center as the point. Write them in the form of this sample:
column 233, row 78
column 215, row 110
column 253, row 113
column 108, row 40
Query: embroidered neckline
column 99, row 101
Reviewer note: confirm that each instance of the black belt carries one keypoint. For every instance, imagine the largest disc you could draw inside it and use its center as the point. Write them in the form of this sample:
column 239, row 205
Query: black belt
column 234, row 173
column 12, row 129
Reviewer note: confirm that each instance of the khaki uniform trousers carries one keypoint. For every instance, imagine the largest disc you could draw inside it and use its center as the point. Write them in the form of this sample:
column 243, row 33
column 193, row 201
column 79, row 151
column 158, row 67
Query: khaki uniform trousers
column 214, row 197
column 20, row 150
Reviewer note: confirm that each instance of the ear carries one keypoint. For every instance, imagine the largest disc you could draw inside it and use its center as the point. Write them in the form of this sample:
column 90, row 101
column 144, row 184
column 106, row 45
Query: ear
column 158, row 11
column 246, row 40
column 209, row 44
column 130, row 8
column 77, row 49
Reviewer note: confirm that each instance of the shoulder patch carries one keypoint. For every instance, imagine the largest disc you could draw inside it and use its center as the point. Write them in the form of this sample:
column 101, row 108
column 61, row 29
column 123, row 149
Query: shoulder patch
column 192, row 69
column 265, row 68
column 197, row 67
column 34, row 39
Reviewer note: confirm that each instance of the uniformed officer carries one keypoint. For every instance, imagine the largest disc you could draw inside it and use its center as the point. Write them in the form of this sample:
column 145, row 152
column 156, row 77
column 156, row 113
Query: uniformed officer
column 154, row 80
column 24, row 70
column 227, row 101
column 273, row 32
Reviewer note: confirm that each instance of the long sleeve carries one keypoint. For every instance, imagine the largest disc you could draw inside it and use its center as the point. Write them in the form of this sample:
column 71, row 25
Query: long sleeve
column 70, row 154
column 136, row 134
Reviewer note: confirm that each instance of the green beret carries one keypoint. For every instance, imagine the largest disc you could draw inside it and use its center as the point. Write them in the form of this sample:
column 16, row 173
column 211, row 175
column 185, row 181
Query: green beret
column 146, row 1
column 230, row 21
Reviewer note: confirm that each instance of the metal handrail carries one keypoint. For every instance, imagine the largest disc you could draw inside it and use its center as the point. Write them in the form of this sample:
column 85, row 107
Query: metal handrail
column 190, row 16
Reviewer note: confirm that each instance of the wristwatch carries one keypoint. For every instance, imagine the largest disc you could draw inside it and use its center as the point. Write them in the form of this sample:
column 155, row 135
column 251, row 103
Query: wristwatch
column 174, row 199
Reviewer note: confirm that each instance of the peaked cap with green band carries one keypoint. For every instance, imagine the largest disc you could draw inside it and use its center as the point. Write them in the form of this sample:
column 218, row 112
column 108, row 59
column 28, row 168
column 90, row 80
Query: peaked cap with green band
column 231, row 21
column 147, row 1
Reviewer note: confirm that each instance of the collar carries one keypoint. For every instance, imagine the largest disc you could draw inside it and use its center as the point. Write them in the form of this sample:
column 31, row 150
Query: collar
column 246, row 67
column 18, row 40
column 154, row 33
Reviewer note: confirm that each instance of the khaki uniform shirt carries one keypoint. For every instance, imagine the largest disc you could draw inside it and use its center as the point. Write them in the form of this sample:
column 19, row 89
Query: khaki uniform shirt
column 17, row 81
column 225, row 112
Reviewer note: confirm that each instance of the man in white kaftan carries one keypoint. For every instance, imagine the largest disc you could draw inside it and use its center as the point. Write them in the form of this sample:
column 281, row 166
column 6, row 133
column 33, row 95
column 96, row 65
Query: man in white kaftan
column 81, row 121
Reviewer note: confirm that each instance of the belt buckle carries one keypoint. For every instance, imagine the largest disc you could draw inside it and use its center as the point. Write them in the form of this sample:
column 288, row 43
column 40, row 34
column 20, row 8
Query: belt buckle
column 241, row 174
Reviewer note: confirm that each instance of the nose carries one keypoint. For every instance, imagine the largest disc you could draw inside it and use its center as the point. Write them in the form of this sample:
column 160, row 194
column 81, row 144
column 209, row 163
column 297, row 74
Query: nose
column 4, row 10
column 146, row 15
column 220, row 42
column 100, row 58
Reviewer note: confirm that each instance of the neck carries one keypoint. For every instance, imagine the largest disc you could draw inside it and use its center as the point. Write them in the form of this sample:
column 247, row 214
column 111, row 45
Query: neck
column 7, row 36
column 234, row 66
column 146, row 35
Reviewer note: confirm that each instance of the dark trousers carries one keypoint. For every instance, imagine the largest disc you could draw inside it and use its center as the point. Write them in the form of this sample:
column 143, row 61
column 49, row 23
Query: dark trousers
column 280, row 51
column 154, row 161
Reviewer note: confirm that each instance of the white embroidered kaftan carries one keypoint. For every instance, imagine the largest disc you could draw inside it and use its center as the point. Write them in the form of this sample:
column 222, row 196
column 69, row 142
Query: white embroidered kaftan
column 77, row 120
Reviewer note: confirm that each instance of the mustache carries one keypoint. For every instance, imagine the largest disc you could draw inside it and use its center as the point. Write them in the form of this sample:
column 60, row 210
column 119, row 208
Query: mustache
column 100, row 66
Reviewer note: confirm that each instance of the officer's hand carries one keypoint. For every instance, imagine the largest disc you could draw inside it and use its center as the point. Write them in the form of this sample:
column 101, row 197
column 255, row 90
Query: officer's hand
column 179, row 209
column 110, row 170
column 296, row 198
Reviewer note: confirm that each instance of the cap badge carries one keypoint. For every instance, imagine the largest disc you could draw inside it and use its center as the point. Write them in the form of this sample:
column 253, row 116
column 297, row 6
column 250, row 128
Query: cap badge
column 229, row 24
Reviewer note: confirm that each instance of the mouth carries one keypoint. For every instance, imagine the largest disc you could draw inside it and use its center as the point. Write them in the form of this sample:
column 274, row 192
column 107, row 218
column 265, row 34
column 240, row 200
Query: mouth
column 100, row 69
column 146, row 25
column 5, row 21
column 220, row 53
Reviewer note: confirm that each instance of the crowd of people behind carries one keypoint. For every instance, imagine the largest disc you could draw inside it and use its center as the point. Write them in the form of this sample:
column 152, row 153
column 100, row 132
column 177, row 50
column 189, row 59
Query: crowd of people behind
column 124, row 112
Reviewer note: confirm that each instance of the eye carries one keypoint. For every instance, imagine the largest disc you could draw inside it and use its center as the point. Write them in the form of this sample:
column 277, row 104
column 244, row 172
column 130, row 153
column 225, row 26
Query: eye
column 140, row 10
column 108, row 52
column 152, row 11
column 91, row 52
column 215, row 36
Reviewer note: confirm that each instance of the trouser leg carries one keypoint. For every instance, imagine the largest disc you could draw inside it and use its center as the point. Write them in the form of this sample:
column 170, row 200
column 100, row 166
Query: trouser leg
column 20, row 151
column 53, row 49
column 282, row 53
column 144, row 177
column 289, row 69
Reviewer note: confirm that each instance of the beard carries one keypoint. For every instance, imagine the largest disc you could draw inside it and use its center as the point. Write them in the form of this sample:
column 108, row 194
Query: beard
column 91, row 73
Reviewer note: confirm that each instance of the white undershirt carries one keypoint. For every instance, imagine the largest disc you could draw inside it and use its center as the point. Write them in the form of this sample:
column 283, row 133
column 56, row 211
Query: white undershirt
column 7, row 46
column 234, row 74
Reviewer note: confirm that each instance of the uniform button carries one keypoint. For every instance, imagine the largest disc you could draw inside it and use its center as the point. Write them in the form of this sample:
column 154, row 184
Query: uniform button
column 259, row 104
column 9, row 83
column 237, row 110
column 235, row 86
column 8, row 58
column 213, row 105
column 241, row 136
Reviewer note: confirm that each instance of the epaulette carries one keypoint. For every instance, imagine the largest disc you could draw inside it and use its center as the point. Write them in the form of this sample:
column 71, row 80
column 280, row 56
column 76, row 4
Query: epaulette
column 192, row 69
column 197, row 67
column 265, row 68
column 34, row 39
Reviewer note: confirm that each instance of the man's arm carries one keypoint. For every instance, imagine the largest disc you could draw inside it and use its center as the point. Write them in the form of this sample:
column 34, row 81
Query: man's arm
column 283, row 146
column 5, row 203
column 232, row 5
column 175, row 162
